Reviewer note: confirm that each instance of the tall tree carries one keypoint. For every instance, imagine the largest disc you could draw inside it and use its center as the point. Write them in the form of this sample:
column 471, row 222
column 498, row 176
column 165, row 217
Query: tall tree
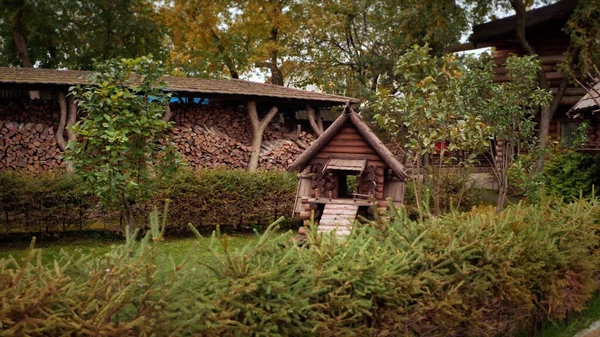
column 350, row 45
column 28, row 32
column 120, row 149
column 227, row 38
column 71, row 33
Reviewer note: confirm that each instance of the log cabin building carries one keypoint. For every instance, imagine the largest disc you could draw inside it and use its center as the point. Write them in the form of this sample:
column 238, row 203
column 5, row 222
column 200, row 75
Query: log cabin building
column 544, row 31
column 347, row 172
column 212, row 124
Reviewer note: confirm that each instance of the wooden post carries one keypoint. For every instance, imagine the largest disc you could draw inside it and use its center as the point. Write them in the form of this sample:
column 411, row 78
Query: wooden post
column 60, row 139
column 315, row 120
column 258, row 129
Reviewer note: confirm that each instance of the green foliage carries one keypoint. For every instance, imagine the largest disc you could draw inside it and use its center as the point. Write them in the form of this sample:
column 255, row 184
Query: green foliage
column 471, row 274
column 42, row 203
column 438, row 100
column 583, row 28
column 72, row 34
column 121, row 150
column 228, row 197
column 351, row 46
column 456, row 193
column 571, row 174
column 231, row 198
column 433, row 104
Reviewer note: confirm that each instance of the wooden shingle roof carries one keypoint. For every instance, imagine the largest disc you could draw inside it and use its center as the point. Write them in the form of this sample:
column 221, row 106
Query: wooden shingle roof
column 590, row 101
column 349, row 115
column 37, row 76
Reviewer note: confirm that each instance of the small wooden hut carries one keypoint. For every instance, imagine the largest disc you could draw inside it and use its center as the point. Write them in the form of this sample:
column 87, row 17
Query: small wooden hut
column 347, row 172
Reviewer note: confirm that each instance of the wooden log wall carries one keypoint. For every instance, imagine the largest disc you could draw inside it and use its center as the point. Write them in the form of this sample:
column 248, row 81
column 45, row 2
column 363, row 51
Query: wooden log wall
column 350, row 144
column 206, row 136
column 550, row 52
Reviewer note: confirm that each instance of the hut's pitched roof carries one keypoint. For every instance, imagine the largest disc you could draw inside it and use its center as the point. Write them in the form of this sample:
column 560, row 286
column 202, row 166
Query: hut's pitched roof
column 589, row 101
column 32, row 77
column 349, row 116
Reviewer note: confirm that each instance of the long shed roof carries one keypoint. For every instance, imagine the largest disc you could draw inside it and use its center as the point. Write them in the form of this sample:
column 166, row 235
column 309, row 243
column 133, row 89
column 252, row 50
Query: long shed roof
column 32, row 77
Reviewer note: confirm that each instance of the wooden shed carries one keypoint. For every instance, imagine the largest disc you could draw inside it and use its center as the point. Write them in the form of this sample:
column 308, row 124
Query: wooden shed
column 346, row 172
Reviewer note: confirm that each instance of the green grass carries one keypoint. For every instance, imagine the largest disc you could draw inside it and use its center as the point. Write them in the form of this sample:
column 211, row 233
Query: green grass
column 177, row 248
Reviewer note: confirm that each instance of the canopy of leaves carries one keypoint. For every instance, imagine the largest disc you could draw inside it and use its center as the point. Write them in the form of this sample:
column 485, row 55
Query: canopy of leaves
column 351, row 45
column 226, row 38
column 437, row 99
column 121, row 151
column 71, row 33
column 583, row 27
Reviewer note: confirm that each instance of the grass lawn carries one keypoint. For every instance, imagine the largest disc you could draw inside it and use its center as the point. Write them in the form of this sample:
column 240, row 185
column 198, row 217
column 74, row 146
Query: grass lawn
column 177, row 247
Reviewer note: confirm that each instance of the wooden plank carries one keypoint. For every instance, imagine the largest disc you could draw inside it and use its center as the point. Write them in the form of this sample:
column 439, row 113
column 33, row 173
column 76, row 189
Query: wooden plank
column 349, row 217
column 328, row 201
column 348, row 136
column 348, row 130
column 341, row 207
column 334, row 223
column 349, row 149
column 372, row 158
column 348, row 143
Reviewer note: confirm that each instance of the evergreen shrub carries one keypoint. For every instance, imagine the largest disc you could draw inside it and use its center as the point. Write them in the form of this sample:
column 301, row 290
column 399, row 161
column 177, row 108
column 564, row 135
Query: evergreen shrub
column 571, row 174
column 479, row 273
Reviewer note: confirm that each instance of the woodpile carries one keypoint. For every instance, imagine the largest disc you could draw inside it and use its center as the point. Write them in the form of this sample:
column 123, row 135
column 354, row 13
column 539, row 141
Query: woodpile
column 28, row 146
column 35, row 111
column 206, row 136
column 209, row 136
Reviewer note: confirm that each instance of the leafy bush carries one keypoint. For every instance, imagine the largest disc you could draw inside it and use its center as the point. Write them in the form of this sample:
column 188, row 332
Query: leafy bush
column 55, row 200
column 42, row 203
column 456, row 193
column 210, row 197
column 472, row 274
column 570, row 174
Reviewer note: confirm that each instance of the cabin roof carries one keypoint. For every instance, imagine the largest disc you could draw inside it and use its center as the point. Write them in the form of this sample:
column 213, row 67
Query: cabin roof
column 36, row 78
column 555, row 16
column 589, row 101
column 349, row 115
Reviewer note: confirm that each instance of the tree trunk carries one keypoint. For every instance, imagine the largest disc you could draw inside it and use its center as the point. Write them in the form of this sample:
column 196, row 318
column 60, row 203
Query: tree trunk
column 18, row 34
column 71, row 119
column 128, row 215
column 315, row 120
column 168, row 113
column 545, row 119
column 62, row 122
column 258, row 129
column 547, row 113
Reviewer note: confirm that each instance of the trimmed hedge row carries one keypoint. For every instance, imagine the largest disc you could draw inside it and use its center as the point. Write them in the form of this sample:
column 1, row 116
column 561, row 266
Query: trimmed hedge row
column 471, row 274
column 54, row 201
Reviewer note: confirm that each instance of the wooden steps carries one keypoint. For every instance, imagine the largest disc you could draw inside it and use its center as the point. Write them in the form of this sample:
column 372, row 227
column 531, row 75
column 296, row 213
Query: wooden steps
column 338, row 217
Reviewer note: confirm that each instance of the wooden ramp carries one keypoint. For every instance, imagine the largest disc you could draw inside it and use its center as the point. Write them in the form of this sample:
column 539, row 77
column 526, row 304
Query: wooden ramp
column 338, row 217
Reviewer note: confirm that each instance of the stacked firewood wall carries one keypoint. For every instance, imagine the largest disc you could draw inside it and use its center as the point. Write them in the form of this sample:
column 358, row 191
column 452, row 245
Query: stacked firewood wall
column 205, row 135
column 27, row 139
column 209, row 136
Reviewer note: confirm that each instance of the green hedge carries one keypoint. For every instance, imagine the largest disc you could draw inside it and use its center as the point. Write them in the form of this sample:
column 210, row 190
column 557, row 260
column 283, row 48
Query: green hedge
column 54, row 201
column 42, row 203
column 228, row 197
column 471, row 274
